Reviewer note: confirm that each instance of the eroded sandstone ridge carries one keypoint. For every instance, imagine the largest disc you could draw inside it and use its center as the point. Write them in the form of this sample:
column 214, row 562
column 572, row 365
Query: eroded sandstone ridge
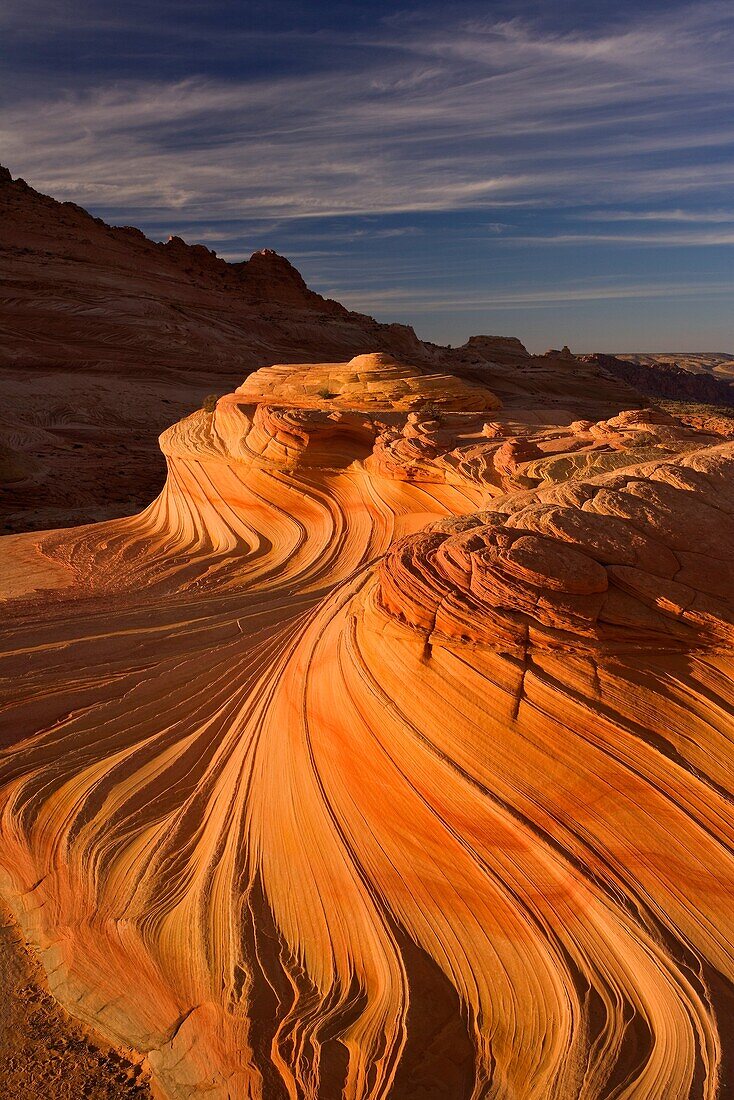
column 107, row 337
column 388, row 753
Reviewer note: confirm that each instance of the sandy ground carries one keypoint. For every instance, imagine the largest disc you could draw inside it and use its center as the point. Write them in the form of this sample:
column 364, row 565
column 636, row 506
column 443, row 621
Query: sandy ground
column 44, row 1054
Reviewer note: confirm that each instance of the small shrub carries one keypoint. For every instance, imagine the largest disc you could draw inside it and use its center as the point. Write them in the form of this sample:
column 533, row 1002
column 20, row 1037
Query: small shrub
column 431, row 410
column 325, row 393
column 210, row 402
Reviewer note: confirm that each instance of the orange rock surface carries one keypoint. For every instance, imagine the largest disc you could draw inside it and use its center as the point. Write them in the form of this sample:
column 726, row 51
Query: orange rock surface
column 107, row 337
column 388, row 753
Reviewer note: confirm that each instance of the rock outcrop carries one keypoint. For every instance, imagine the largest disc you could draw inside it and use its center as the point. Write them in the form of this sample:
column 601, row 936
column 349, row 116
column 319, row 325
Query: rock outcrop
column 373, row 381
column 718, row 363
column 662, row 378
column 108, row 337
column 388, row 753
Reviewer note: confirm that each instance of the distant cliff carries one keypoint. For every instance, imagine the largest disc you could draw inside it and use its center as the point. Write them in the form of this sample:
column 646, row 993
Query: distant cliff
column 661, row 379
column 109, row 337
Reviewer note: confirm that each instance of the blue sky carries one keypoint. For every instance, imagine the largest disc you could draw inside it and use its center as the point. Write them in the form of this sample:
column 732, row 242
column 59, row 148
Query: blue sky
column 563, row 173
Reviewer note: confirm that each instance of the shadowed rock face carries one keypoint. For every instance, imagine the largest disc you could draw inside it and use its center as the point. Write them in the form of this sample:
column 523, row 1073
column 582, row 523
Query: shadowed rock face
column 663, row 376
column 718, row 363
column 387, row 754
column 108, row 337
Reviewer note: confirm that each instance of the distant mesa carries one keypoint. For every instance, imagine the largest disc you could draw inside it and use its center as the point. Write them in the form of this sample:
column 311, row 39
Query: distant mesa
column 703, row 379
column 497, row 348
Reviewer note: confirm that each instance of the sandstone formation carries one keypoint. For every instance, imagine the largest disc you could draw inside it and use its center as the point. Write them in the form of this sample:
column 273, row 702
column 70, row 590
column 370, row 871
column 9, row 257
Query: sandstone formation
column 664, row 376
column 107, row 337
column 387, row 754
column 718, row 363
column 368, row 382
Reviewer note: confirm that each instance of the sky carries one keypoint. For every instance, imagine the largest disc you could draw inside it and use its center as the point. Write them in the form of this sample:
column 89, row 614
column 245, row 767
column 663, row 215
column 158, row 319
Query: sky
column 559, row 172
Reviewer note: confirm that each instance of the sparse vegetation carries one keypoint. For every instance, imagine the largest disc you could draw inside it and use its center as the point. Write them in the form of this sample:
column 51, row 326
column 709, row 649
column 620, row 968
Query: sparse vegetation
column 643, row 439
column 209, row 403
column 693, row 408
column 325, row 393
column 431, row 410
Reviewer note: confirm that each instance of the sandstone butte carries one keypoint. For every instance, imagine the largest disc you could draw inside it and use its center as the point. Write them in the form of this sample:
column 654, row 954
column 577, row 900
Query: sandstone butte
column 388, row 752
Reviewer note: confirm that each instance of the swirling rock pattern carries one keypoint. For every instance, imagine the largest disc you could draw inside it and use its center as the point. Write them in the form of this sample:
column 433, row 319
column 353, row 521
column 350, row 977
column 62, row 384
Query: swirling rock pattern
column 108, row 337
column 379, row 758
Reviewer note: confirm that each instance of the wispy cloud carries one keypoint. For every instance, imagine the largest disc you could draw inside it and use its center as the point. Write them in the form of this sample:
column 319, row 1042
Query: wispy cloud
column 698, row 217
column 466, row 157
column 427, row 301
column 654, row 240
column 431, row 118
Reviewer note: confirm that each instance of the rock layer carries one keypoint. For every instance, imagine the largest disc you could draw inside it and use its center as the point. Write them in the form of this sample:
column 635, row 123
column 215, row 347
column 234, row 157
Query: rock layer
column 664, row 376
column 107, row 337
column 387, row 754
